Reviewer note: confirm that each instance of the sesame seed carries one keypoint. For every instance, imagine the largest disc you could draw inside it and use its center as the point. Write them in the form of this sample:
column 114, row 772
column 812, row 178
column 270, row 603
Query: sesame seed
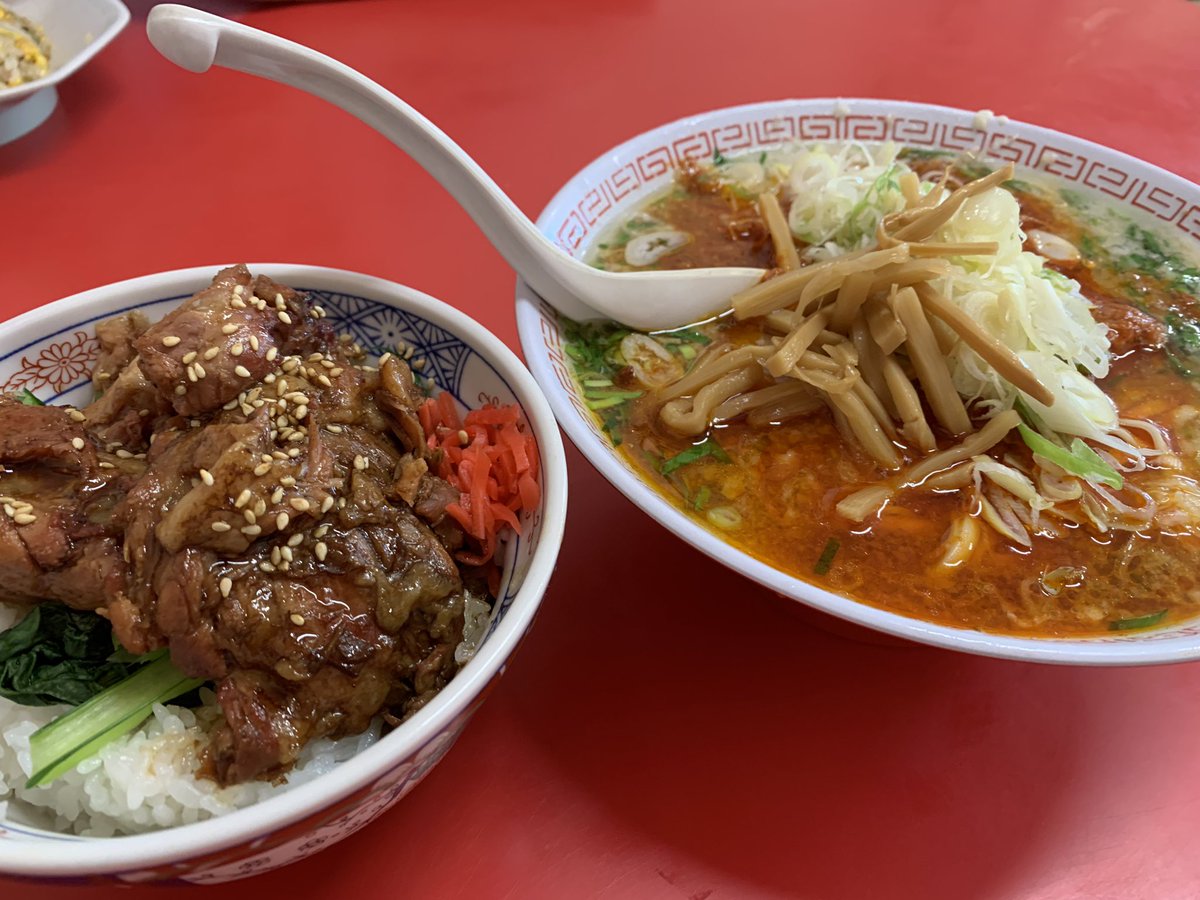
column 206, row 477
column 24, row 519
column 243, row 498
column 286, row 553
column 320, row 311
column 279, row 300
column 170, row 340
column 321, row 550
column 341, row 504
column 237, row 289
column 336, row 371
column 293, row 453
column 266, row 567
column 200, row 373
column 418, row 364
column 296, row 437
column 190, row 356
column 232, row 404
column 281, row 387
column 228, row 328
column 336, row 429
column 324, row 379
column 327, row 363
column 260, row 506
column 221, row 526
column 297, row 619
column 271, row 354
column 124, row 454
column 284, row 566
column 226, row 586
column 191, row 373
column 237, row 303
column 463, row 438
column 251, row 530
column 300, row 411
column 270, row 378
column 299, row 504
column 383, row 359
column 276, row 556
column 295, row 540
column 281, row 521
column 323, row 529
column 180, row 390
column 77, row 415
column 249, row 516
column 77, row 443
column 254, row 342
column 9, row 511
column 326, row 505
column 285, row 318
column 237, row 349
column 242, row 372
column 262, row 469
column 211, row 352
column 279, row 454
column 287, row 481
column 409, row 351
column 107, row 465
column 143, row 413
column 360, row 463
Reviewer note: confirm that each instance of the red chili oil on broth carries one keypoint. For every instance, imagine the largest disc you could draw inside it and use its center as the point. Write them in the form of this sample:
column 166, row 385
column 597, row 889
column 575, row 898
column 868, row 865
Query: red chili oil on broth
column 771, row 491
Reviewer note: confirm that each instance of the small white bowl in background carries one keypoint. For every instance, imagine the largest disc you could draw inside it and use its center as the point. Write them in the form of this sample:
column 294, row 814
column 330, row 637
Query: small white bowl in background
column 51, row 350
column 77, row 30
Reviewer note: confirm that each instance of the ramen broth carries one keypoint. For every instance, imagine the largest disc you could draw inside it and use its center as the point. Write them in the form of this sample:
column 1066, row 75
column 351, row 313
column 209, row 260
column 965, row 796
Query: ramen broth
column 771, row 490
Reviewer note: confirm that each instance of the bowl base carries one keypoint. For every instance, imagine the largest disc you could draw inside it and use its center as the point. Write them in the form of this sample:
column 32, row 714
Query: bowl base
column 20, row 118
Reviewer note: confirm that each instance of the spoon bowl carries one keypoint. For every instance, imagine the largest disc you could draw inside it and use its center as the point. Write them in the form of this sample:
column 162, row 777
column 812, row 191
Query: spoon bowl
column 647, row 301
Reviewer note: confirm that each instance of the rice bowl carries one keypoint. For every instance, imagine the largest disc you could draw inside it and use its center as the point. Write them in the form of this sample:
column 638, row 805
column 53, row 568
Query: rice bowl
column 336, row 789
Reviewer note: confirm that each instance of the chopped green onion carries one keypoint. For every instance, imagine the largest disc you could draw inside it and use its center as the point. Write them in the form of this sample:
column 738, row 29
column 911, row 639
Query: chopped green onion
column 604, row 404
column 57, row 748
column 1138, row 621
column 598, row 382
column 27, row 397
column 707, row 447
column 1079, row 459
column 701, row 499
column 620, row 395
column 825, row 562
column 687, row 351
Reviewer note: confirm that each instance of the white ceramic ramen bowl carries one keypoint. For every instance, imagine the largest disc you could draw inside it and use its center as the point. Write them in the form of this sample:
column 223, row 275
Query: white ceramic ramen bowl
column 51, row 351
column 77, row 30
column 623, row 177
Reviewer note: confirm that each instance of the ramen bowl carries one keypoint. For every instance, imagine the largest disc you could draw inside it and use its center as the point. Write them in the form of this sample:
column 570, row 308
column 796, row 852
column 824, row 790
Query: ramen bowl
column 51, row 351
column 623, row 178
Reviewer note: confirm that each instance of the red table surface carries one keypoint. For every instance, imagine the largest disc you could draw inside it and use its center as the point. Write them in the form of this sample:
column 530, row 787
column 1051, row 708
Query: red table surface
column 669, row 730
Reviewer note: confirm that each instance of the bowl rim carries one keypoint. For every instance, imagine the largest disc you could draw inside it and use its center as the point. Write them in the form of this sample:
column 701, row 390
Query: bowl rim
column 120, row 18
column 1090, row 651
column 131, row 853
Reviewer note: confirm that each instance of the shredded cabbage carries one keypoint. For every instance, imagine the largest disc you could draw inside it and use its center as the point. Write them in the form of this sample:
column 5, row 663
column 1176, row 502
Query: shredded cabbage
column 1038, row 313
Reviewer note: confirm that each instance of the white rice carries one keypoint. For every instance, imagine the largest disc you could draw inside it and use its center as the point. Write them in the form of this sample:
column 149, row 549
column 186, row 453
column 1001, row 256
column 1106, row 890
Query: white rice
column 144, row 781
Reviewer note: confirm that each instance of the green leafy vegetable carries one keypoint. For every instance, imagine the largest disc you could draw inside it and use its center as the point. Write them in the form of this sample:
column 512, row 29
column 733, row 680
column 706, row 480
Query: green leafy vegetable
column 57, row 748
column 707, row 447
column 1079, row 459
column 825, row 562
column 1028, row 416
column 27, row 397
column 1137, row 622
column 718, row 158
column 701, row 499
column 59, row 655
